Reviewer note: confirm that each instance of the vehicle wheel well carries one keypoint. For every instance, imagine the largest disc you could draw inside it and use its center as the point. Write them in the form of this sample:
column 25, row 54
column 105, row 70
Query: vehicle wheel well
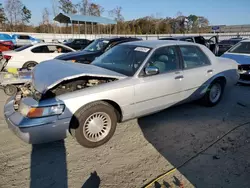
column 28, row 62
column 221, row 78
column 112, row 103
column 118, row 109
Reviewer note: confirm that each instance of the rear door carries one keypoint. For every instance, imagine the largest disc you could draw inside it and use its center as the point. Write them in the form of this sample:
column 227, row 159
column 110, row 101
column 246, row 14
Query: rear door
column 53, row 50
column 40, row 53
column 197, row 70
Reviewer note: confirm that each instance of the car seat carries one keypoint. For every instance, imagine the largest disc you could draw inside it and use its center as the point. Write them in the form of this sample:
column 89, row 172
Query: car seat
column 160, row 63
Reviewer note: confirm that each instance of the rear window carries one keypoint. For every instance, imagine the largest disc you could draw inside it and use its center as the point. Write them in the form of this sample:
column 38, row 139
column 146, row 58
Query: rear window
column 224, row 42
column 232, row 42
column 23, row 37
column 241, row 47
column 22, row 48
column 167, row 39
column 187, row 39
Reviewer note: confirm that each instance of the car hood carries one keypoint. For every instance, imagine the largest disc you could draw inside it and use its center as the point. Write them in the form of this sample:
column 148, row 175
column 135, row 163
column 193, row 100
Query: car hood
column 239, row 58
column 48, row 74
column 72, row 55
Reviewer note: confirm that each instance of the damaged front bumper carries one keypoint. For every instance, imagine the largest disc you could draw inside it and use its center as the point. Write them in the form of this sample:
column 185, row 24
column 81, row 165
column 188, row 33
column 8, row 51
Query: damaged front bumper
column 35, row 130
column 244, row 72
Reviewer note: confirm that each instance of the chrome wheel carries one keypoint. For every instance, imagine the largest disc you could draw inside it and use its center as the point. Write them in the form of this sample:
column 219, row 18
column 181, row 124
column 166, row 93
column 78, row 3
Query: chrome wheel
column 97, row 126
column 215, row 93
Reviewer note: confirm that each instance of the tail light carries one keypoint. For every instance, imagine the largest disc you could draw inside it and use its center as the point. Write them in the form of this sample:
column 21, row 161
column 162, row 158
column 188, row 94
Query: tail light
column 7, row 57
column 9, row 43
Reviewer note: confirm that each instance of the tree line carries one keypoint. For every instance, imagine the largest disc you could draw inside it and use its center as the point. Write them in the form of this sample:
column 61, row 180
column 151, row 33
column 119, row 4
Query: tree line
column 15, row 17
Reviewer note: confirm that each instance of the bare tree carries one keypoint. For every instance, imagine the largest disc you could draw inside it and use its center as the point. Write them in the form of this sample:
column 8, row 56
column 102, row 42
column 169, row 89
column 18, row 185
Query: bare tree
column 84, row 7
column 3, row 18
column 116, row 13
column 67, row 6
column 13, row 9
column 45, row 16
column 95, row 10
column 55, row 7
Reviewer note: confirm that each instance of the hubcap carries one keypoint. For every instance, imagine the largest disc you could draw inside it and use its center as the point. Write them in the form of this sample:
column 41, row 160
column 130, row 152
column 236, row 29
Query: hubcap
column 30, row 67
column 215, row 93
column 97, row 126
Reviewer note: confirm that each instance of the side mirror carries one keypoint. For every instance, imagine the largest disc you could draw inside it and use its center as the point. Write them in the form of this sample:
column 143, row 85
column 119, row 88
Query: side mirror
column 151, row 70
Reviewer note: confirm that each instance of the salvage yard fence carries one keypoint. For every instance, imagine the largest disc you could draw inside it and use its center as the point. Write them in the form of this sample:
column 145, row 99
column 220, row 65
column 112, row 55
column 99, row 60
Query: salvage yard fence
column 49, row 37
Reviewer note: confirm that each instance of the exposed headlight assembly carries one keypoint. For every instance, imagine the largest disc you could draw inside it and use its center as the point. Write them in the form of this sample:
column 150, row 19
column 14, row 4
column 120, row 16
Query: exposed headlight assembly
column 37, row 112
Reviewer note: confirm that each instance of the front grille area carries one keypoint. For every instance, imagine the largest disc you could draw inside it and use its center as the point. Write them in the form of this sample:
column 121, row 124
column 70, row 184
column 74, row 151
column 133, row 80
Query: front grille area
column 244, row 67
column 245, row 77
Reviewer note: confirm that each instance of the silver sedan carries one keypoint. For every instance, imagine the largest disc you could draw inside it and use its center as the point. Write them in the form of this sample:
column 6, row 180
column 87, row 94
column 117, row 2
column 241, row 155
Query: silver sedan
column 129, row 81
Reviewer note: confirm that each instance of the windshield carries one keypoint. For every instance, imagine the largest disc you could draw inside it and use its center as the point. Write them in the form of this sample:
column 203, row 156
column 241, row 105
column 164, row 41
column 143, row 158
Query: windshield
column 97, row 45
column 5, row 37
column 242, row 48
column 22, row 48
column 124, row 59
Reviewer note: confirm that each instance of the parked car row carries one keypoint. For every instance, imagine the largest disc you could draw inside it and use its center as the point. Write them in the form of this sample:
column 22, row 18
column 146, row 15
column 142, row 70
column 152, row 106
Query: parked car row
column 112, row 80
column 211, row 43
column 9, row 42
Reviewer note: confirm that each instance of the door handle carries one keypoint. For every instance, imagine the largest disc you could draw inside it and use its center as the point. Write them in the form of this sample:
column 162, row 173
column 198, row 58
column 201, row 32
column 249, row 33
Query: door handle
column 210, row 71
column 179, row 77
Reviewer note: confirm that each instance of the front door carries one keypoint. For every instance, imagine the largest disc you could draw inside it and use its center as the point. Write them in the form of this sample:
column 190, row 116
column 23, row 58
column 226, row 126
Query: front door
column 156, row 92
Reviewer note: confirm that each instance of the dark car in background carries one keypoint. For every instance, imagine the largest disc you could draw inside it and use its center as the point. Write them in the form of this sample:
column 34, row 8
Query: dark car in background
column 77, row 44
column 225, row 45
column 211, row 43
column 95, row 49
column 6, row 42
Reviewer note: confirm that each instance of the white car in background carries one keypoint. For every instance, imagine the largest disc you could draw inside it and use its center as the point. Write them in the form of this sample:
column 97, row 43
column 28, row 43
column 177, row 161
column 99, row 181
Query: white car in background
column 30, row 55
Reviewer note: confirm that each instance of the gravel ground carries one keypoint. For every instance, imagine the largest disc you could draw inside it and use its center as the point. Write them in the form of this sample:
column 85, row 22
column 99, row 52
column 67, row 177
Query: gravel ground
column 141, row 150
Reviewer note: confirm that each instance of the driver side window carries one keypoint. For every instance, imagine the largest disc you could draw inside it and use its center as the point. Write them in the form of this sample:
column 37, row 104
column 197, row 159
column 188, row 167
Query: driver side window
column 165, row 59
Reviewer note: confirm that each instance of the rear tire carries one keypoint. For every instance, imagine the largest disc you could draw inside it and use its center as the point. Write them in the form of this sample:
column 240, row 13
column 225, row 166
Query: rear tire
column 29, row 65
column 10, row 90
column 94, row 124
column 214, row 93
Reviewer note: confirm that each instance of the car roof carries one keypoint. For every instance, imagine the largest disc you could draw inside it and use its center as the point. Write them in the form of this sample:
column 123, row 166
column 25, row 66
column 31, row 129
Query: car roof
column 182, row 37
column 246, row 40
column 113, row 39
column 48, row 43
column 20, row 35
column 157, row 43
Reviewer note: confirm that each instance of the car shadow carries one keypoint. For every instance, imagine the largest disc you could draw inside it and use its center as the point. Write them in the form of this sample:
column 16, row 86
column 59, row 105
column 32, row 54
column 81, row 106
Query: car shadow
column 180, row 132
column 48, row 166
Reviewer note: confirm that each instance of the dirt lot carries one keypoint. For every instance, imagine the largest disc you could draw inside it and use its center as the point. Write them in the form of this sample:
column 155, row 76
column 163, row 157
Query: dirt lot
column 141, row 150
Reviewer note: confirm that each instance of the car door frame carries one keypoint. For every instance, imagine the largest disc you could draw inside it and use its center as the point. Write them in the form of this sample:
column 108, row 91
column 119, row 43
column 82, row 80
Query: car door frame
column 208, row 71
column 176, row 75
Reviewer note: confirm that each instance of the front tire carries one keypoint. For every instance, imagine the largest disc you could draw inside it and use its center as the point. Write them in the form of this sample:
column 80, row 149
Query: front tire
column 214, row 93
column 94, row 124
column 10, row 90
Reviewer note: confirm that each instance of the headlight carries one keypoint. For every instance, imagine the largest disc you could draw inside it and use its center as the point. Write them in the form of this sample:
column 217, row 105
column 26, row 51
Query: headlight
column 32, row 112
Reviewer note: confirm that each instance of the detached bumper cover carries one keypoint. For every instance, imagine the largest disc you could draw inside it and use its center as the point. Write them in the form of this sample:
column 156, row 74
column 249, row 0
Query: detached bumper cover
column 35, row 131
